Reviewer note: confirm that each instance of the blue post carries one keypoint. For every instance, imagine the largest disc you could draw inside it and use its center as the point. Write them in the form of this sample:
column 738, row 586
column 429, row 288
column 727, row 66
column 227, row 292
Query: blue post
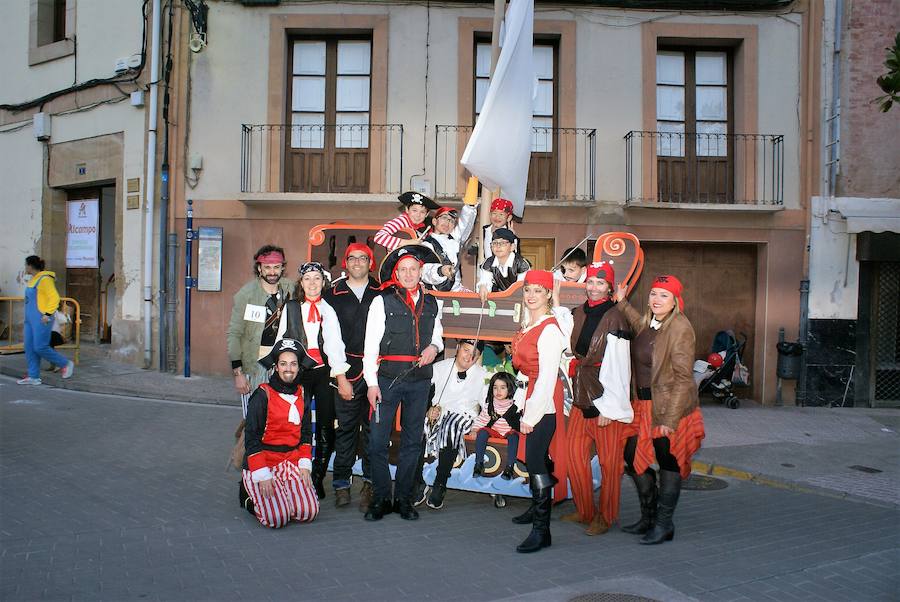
column 188, row 284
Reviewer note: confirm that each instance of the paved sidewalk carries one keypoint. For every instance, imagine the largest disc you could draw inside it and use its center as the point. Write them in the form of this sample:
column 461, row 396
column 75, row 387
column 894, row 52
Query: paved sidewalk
column 844, row 452
column 97, row 372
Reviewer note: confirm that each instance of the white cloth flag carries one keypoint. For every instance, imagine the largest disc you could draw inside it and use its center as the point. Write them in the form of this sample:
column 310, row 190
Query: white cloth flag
column 499, row 150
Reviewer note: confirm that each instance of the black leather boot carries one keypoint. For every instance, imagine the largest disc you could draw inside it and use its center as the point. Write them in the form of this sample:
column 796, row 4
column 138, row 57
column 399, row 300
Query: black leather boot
column 378, row 508
column 527, row 517
column 669, row 491
column 541, row 485
column 244, row 499
column 317, row 476
column 646, row 489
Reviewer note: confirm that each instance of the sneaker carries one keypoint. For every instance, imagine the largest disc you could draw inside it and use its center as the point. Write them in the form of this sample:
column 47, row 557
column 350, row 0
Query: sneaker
column 68, row 370
column 508, row 473
column 421, row 494
column 478, row 470
column 29, row 381
column 436, row 497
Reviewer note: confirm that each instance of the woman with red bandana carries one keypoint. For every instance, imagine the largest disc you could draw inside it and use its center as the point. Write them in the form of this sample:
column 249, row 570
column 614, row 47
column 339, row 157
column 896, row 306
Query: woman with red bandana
column 310, row 320
column 667, row 409
column 601, row 379
column 537, row 350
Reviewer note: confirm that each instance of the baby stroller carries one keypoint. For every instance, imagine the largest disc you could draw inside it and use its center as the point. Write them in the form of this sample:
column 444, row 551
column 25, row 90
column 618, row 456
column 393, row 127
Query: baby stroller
column 717, row 381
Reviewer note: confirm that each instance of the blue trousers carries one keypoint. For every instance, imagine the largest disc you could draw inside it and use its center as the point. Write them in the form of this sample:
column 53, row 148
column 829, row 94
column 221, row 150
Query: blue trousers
column 413, row 397
column 37, row 346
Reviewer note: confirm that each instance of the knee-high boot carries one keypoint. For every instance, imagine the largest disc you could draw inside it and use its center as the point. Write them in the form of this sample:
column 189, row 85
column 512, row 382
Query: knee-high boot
column 646, row 489
column 324, row 449
column 541, row 485
column 669, row 491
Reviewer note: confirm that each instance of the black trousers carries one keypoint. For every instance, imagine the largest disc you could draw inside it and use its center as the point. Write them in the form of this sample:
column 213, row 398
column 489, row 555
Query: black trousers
column 352, row 435
column 446, row 459
column 664, row 456
column 317, row 384
column 537, row 445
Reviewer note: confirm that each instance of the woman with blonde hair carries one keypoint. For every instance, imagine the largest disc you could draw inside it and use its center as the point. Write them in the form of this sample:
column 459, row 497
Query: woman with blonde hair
column 667, row 409
column 537, row 350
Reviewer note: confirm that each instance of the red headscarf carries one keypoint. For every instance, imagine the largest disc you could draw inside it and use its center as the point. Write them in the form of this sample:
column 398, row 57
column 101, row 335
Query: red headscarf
column 671, row 284
column 540, row 277
column 358, row 246
column 502, row 205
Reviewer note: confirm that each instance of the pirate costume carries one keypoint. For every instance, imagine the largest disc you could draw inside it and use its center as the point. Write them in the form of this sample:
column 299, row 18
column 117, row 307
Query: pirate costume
column 385, row 237
column 277, row 441
column 499, row 276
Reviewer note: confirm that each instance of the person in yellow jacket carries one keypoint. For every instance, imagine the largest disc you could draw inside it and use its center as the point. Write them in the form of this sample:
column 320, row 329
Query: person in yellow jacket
column 41, row 302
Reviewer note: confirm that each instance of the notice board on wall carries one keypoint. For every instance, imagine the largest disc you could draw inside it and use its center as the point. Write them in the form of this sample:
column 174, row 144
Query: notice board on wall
column 83, row 234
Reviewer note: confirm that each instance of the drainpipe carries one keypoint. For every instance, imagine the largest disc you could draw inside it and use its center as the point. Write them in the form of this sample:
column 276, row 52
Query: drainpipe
column 151, row 187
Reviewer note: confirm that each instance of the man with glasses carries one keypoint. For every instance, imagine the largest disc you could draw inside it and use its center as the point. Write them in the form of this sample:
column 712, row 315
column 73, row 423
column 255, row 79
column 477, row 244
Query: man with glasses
column 255, row 313
column 505, row 267
column 350, row 296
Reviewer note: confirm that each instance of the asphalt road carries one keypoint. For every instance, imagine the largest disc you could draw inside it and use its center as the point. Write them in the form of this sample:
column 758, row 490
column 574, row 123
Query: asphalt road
column 111, row 498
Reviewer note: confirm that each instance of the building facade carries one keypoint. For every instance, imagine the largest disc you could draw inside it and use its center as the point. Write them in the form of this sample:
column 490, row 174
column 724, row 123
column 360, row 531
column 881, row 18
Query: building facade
column 693, row 126
column 853, row 343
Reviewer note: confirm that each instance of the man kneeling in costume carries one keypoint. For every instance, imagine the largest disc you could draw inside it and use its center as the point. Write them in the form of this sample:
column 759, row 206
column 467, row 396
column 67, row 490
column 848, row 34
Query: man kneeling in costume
column 278, row 443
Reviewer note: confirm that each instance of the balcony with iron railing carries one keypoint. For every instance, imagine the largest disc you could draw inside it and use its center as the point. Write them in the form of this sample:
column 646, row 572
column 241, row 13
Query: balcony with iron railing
column 562, row 168
column 360, row 159
column 667, row 169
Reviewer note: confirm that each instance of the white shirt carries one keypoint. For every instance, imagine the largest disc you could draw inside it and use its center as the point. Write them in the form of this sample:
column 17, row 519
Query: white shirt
column 486, row 277
column 455, row 395
column 450, row 244
column 332, row 343
column 375, row 332
column 551, row 343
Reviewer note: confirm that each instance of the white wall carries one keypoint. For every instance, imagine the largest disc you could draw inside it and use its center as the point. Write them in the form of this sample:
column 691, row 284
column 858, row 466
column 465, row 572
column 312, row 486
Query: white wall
column 833, row 269
column 20, row 205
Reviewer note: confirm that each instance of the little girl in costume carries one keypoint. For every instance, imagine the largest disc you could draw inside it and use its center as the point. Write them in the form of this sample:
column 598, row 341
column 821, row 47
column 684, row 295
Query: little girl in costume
column 416, row 208
column 499, row 418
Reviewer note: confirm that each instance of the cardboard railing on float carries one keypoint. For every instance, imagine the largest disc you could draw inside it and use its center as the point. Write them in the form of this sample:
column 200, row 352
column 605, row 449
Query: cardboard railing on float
column 500, row 320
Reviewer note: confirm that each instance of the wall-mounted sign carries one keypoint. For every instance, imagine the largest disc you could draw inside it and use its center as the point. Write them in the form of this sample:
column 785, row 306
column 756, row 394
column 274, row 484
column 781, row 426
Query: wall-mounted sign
column 83, row 234
column 209, row 261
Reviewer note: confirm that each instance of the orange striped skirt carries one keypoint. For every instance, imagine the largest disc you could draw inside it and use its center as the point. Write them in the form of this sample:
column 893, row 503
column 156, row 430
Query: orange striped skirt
column 683, row 443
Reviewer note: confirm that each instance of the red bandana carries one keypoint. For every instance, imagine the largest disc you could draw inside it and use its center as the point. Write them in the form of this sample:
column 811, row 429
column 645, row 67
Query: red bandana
column 314, row 315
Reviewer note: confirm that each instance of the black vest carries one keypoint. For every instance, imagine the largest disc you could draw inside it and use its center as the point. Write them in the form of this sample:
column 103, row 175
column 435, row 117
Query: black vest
column 294, row 329
column 519, row 265
column 406, row 334
column 351, row 313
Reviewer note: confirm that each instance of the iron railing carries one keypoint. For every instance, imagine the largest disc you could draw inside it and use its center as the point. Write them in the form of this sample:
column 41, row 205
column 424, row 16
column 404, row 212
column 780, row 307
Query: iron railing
column 563, row 163
column 352, row 158
column 704, row 168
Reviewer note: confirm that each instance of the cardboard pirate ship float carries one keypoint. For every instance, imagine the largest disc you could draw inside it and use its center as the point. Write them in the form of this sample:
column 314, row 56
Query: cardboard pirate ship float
column 465, row 316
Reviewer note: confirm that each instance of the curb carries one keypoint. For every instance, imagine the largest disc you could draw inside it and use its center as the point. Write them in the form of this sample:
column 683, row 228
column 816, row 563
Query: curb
column 82, row 387
column 712, row 469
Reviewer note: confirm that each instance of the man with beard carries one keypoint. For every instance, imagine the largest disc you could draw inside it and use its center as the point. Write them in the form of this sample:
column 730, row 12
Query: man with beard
column 278, row 444
column 255, row 312
column 403, row 336
column 350, row 298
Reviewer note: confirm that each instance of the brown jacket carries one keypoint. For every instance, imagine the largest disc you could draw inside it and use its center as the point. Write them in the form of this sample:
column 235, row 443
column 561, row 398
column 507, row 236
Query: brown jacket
column 586, row 383
column 672, row 383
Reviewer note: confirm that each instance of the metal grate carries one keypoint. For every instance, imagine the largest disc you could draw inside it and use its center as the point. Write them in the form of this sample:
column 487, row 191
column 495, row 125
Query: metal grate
column 610, row 597
column 887, row 334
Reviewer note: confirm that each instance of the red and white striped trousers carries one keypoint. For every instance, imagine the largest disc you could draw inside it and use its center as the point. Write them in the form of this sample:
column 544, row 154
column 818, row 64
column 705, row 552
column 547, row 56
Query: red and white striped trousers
column 292, row 499
column 610, row 443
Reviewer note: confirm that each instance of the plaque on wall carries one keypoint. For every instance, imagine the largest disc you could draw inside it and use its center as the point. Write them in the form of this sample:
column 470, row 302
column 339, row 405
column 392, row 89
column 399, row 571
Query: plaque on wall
column 209, row 262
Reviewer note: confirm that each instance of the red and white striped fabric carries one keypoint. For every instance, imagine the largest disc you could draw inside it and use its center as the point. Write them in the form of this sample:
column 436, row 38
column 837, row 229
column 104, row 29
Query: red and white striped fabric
column 385, row 237
column 292, row 500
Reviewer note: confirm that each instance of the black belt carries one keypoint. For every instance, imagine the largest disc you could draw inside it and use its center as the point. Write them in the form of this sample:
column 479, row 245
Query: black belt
column 644, row 393
column 280, row 448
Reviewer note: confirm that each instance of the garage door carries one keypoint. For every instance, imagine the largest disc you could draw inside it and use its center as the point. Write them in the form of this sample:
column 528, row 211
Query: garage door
column 720, row 287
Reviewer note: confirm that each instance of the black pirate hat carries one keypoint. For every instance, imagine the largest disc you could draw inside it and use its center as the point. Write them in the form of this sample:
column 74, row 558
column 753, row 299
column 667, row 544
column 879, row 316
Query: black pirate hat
column 292, row 345
column 422, row 253
column 417, row 198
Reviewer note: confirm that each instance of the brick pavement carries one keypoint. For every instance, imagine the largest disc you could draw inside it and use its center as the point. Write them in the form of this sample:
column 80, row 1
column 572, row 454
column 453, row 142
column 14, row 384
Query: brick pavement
column 109, row 499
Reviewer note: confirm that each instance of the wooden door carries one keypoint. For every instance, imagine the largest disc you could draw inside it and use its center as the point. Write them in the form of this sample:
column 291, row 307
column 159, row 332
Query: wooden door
column 719, row 288
column 83, row 284
column 538, row 251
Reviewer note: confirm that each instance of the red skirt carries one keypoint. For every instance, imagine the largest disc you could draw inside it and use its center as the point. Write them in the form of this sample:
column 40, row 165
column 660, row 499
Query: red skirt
column 683, row 443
